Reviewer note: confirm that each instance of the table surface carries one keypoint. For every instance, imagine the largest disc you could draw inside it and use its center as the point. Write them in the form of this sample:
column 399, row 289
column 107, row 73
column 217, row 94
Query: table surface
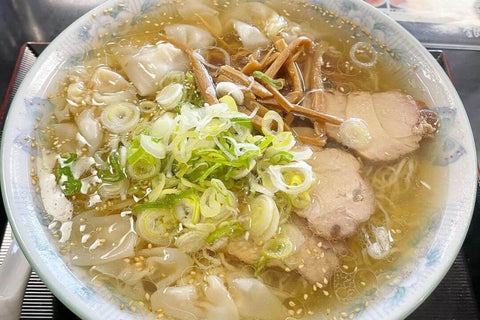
column 453, row 28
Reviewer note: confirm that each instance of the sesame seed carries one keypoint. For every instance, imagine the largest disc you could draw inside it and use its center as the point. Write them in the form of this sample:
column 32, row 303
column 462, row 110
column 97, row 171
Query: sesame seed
column 299, row 311
column 366, row 304
column 319, row 244
column 305, row 296
column 291, row 304
column 291, row 312
column 325, row 292
column 310, row 312
column 122, row 306
column 328, row 311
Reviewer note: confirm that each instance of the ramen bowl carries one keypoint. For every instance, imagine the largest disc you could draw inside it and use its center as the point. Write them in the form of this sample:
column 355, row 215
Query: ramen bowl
column 408, row 283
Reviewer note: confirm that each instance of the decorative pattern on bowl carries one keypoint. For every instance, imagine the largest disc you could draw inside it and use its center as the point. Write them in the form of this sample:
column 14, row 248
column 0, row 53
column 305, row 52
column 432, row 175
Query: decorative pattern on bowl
column 440, row 239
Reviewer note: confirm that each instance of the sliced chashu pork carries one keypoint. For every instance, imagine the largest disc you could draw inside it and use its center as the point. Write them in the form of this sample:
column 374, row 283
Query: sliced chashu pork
column 393, row 120
column 314, row 258
column 341, row 198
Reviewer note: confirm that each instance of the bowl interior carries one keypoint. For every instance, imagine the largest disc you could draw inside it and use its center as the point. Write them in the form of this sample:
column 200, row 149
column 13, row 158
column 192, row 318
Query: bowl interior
column 410, row 283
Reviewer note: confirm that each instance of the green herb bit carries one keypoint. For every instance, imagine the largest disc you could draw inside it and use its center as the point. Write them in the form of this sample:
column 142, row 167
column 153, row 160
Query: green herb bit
column 114, row 173
column 69, row 157
column 276, row 83
column 245, row 122
column 71, row 185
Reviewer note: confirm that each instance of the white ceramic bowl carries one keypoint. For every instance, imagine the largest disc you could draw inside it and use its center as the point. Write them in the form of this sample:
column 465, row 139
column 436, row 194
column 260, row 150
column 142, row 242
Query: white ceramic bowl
column 411, row 282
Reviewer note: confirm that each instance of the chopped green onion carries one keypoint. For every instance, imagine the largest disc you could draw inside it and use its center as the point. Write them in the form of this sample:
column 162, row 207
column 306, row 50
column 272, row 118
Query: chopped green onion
column 283, row 141
column 144, row 168
column 150, row 226
column 120, row 117
column 267, row 123
column 188, row 208
column 65, row 178
column 182, row 146
column 284, row 204
column 158, row 183
column 301, row 177
column 190, row 93
column 281, row 157
column 147, row 106
column 216, row 199
column 230, row 102
column 192, row 185
column 264, row 142
column 173, row 77
column 260, row 265
column 153, row 146
column 69, row 157
column 230, row 231
column 264, row 217
column 301, row 200
column 170, row 96
column 208, row 172
column 278, row 248
column 167, row 202
column 276, row 83
column 135, row 156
